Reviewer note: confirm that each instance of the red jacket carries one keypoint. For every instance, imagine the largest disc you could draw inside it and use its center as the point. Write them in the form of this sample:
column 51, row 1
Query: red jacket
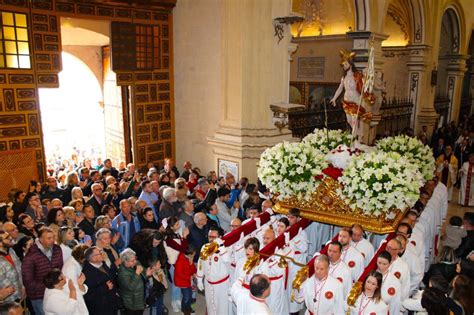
column 35, row 266
column 183, row 272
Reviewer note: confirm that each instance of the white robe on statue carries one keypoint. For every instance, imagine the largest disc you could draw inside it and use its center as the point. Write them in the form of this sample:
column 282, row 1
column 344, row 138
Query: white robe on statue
column 466, row 193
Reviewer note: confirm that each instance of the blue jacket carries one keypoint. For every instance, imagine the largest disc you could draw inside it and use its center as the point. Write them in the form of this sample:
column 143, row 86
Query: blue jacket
column 120, row 224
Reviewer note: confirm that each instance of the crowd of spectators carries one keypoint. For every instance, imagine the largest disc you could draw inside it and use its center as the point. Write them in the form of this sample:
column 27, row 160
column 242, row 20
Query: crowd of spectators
column 102, row 239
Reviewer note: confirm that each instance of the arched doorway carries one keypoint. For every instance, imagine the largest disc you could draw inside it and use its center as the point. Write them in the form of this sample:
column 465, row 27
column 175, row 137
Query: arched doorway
column 448, row 66
column 72, row 115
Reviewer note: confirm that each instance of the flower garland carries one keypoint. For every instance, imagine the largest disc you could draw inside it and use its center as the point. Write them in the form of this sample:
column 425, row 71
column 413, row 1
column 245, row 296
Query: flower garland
column 378, row 182
column 290, row 169
column 413, row 150
column 319, row 139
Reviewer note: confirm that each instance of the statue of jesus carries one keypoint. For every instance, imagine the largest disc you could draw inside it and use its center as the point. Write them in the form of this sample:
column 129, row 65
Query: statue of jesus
column 351, row 82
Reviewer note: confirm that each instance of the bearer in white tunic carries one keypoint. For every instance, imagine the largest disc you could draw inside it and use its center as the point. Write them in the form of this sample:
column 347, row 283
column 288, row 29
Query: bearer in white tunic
column 351, row 256
column 252, row 301
column 361, row 244
column 370, row 300
column 413, row 262
column 321, row 293
column 299, row 245
column 213, row 276
column 391, row 287
column 278, row 275
column 399, row 268
column 466, row 192
column 61, row 297
column 337, row 268
column 237, row 252
column 252, row 247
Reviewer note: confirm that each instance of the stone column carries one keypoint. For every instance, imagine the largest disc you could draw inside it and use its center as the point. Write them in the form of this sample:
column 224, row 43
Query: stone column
column 456, row 69
column 420, row 90
column 255, row 75
column 362, row 42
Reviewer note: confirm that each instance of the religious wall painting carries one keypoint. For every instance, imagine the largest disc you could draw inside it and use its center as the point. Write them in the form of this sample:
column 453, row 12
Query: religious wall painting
column 297, row 95
column 227, row 166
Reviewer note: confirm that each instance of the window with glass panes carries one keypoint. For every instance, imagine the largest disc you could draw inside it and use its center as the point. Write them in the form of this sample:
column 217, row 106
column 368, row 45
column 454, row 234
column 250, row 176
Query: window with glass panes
column 14, row 48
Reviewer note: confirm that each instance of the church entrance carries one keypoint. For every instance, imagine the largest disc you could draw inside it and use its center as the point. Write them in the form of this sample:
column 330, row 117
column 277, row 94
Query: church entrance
column 84, row 117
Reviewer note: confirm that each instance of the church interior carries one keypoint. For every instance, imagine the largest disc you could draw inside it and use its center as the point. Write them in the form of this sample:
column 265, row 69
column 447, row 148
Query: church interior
column 217, row 82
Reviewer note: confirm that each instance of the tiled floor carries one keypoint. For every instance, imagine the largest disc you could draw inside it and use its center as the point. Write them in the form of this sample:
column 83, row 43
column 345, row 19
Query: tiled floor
column 200, row 307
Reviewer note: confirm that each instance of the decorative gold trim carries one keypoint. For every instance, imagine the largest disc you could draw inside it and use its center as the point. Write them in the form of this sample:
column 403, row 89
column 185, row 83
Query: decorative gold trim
column 326, row 206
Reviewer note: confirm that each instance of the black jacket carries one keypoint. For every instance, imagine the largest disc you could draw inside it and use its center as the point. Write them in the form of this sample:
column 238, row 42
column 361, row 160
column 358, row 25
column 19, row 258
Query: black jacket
column 99, row 299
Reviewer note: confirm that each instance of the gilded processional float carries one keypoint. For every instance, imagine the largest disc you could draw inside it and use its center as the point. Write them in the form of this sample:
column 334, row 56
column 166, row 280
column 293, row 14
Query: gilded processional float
column 332, row 178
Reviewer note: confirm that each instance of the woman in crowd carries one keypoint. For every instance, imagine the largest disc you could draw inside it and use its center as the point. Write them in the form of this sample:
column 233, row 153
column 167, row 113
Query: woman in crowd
column 434, row 302
column 66, row 241
column 463, row 293
column 109, row 211
column 22, row 247
column 148, row 245
column 370, row 300
column 104, row 221
column 56, row 219
column 76, row 194
column 72, row 269
column 19, row 202
column 175, row 244
column 148, row 219
column 70, row 216
column 130, row 281
column 104, row 242
column 6, row 214
column 26, row 226
column 60, row 296
column 391, row 287
column 77, row 204
column 81, row 237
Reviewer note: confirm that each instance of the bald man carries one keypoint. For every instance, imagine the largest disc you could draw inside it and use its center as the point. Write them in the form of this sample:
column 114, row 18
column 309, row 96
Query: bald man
column 252, row 301
column 235, row 224
column 268, row 236
column 361, row 244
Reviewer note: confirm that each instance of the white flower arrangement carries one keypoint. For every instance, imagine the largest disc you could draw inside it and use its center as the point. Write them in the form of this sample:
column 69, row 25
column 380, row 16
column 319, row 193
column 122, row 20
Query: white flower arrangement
column 412, row 149
column 379, row 182
column 319, row 139
column 289, row 169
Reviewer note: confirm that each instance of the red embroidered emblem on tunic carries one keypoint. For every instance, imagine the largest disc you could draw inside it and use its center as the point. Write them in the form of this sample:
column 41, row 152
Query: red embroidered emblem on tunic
column 397, row 274
column 328, row 295
column 373, row 313
column 351, row 264
column 216, row 258
column 339, row 278
column 391, row 291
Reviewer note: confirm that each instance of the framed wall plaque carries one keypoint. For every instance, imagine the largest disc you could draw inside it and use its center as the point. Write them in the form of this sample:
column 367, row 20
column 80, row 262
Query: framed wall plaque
column 225, row 166
column 311, row 68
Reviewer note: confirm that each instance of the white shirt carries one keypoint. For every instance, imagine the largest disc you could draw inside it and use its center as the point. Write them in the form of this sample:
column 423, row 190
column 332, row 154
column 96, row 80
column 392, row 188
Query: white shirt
column 322, row 297
column 367, row 306
column 247, row 304
column 365, row 248
column 57, row 302
column 341, row 272
column 66, row 250
column 72, row 270
column 354, row 260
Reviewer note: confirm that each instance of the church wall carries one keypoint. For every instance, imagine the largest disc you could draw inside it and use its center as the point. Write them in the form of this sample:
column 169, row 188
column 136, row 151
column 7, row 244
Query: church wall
column 395, row 71
column 324, row 46
column 198, row 79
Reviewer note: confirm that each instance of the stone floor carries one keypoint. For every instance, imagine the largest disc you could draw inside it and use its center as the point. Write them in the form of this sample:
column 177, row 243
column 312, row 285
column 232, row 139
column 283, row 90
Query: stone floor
column 200, row 307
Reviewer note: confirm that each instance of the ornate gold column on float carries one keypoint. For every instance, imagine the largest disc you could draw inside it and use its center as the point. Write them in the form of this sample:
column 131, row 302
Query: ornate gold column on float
column 255, row 75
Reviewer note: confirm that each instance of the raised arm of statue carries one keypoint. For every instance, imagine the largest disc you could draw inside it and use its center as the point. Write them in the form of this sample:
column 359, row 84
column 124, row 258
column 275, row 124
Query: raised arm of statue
column 338, row 93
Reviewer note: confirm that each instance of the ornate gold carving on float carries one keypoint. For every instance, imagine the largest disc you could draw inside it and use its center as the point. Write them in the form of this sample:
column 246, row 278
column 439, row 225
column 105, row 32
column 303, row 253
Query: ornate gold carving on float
column 326, row 206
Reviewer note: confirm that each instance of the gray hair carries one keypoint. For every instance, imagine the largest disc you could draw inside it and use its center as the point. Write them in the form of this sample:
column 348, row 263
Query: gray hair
column 198, row 216
column 322, row 258
column 168, row 192
column 102, row 231
column 127, row 254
